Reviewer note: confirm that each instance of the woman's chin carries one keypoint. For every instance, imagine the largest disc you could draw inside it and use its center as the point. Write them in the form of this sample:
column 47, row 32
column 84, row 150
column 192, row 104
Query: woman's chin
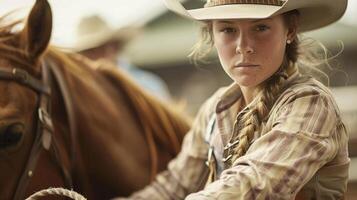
column 247, row 82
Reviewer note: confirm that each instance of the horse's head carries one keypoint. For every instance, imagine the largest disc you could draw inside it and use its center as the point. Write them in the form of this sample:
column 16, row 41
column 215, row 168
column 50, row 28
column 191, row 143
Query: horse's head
column 99, row 120
column 21, row 87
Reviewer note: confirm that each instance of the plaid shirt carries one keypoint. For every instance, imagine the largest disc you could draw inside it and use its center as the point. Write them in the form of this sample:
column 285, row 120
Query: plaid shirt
column 300, row 152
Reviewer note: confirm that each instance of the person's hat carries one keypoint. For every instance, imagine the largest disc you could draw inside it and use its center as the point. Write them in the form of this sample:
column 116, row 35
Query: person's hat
column 93, row 31
column 313, row 13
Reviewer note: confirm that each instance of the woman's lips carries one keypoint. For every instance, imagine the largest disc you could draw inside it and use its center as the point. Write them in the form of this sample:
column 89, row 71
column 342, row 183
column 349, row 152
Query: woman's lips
column 246, row 65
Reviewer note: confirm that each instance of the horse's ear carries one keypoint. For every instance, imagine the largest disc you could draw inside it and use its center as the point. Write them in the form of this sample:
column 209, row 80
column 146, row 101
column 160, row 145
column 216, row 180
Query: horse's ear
column 37, row 31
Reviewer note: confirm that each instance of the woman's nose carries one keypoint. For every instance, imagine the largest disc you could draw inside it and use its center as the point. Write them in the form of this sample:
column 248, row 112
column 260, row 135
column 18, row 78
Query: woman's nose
column 244, row 45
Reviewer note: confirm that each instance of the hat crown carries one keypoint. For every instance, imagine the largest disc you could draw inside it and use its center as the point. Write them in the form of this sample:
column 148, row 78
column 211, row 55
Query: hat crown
column 93, row 31
column 211, row 3
column 93, row 24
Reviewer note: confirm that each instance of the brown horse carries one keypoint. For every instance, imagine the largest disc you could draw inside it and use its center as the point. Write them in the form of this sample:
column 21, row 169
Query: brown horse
column 65, row 122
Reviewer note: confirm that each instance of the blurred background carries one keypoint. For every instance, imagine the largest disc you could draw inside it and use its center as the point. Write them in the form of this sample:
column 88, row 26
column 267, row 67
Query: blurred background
column 164, row 41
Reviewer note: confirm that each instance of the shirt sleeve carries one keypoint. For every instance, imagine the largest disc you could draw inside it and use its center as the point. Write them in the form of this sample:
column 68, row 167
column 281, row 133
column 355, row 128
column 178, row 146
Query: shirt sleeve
column 282, row 160
column 186, row 173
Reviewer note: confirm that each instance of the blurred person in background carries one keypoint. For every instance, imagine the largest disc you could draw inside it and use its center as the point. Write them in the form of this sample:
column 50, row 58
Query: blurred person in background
column 274, row 133
column 96, row 40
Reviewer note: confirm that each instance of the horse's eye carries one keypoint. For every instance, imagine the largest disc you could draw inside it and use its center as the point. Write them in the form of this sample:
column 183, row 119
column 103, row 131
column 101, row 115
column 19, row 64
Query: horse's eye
column 11, row 135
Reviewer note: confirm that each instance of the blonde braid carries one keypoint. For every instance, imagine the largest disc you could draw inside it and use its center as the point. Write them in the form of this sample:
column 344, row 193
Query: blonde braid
column 250, row 125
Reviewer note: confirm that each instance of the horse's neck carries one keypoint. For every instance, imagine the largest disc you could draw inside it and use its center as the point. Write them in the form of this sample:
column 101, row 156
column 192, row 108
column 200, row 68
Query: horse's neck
column 106, row 134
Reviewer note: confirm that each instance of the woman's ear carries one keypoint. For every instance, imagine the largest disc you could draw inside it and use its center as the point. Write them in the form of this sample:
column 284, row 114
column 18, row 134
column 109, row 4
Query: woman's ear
column 293, row 28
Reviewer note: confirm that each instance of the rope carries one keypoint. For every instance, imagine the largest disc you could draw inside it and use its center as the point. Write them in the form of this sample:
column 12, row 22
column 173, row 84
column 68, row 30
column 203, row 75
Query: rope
column 56, row 191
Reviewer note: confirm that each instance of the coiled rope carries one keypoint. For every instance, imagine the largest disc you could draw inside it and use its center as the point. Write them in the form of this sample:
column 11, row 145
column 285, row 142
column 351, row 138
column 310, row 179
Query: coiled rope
column 56, row 191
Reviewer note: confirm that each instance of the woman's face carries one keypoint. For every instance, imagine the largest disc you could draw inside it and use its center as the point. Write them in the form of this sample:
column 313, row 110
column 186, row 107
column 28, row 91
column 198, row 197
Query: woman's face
column 250, row 50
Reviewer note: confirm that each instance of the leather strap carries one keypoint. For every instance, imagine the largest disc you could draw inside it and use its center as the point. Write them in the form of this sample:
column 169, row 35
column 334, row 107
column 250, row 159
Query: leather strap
column 57, row 74
column 44, row 127
column 22, row 77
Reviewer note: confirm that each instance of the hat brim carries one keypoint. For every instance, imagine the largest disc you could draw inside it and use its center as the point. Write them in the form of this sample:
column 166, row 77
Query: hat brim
column 313, row 13
column 123, row 35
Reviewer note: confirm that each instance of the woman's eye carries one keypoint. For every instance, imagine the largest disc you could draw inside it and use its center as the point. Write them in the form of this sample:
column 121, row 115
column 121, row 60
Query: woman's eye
column 228, row 30
column 261, row 28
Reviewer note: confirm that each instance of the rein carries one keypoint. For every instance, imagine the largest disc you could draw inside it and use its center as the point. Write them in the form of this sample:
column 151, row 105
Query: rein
column 44, row 127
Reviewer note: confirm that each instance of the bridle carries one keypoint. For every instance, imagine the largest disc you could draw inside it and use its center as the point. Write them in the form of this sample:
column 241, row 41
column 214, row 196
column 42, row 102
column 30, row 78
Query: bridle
column 44, row 139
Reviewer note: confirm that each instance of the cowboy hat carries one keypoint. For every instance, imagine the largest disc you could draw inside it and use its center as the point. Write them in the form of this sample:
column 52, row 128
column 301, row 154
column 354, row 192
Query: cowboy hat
column 93, row 31
column 313, row 13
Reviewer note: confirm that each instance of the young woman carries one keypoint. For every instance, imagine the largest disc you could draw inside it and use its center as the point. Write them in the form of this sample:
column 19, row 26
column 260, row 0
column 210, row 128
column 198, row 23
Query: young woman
column 274, row 133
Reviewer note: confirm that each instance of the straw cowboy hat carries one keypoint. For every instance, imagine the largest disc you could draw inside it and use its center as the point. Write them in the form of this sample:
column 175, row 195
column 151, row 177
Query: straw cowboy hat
column 93, row 31
column 313, row 13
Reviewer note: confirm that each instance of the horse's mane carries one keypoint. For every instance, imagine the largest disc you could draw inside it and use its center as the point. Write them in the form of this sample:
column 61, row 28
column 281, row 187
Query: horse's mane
column 161, row 124
column 149, row 110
